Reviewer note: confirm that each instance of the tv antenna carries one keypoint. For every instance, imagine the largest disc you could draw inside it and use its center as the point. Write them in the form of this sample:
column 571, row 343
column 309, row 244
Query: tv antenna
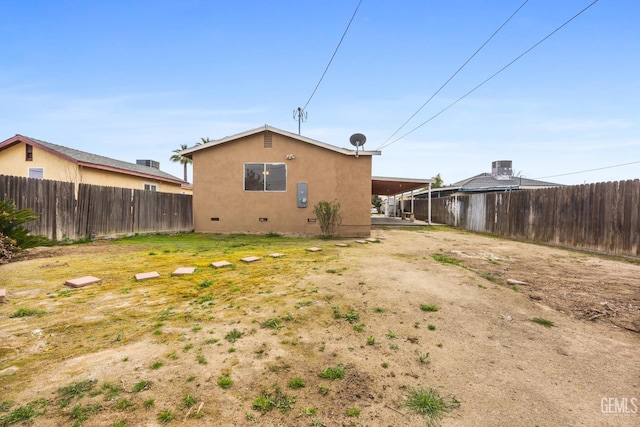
column 357, row 140
column 300, row 115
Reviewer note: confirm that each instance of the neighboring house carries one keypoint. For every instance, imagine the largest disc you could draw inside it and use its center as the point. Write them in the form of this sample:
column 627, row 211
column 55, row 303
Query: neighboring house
column 269, row 180
column 501, row 178
column 33, row 158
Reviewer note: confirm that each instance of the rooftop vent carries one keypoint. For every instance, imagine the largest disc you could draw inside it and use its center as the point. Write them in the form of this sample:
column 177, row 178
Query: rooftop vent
column 149, row 163
column 501, row 169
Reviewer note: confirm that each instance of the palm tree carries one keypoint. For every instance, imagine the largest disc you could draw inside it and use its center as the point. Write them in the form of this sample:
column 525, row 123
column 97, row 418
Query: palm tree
column 178, row 158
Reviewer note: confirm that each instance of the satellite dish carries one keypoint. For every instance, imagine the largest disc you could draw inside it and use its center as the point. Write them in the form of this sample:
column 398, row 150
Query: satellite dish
column 357, row 139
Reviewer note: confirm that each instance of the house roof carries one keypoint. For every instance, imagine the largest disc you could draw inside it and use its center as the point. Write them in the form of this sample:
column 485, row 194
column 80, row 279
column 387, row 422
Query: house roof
column 189, row 151
column 489, row 182
column 387, row 186
column 95, row 161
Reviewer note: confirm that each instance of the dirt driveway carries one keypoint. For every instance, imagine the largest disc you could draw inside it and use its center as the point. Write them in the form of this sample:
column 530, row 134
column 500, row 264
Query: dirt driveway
column 366, row 308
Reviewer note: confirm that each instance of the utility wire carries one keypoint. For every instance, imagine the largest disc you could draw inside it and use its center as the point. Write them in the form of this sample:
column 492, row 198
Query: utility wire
column 491, row 77
column 590, row 170
column 333, row 56
column 454, row 74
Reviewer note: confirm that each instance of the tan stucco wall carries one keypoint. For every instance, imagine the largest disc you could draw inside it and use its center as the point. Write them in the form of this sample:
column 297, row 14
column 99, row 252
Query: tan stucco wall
column 218, row 192
column 12, row 162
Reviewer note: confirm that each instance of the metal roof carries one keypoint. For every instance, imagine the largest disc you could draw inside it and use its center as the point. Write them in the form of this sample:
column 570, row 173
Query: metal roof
column 93, row 160
column 266, row 128
column 388, row 186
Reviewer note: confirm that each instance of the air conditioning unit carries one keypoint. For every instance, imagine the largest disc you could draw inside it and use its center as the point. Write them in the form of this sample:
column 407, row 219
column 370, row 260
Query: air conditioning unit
column 502, row 168
column 149, row 163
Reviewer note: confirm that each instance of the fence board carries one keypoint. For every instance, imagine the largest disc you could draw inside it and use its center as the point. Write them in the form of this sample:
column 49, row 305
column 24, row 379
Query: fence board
column 602, row 217
column 98, row 210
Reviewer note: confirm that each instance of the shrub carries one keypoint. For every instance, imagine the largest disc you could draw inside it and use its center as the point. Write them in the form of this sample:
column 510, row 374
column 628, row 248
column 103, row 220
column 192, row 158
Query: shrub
column 11, row 220
column 8, row 247
column 329, row 216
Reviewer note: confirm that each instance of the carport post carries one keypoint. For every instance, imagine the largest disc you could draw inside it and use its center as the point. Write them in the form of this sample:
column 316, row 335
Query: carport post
column 412, row 202
column 429, row 208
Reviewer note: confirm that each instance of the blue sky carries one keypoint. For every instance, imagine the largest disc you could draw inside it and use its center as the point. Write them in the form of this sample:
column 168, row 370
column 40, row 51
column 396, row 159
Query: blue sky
column 136, row 79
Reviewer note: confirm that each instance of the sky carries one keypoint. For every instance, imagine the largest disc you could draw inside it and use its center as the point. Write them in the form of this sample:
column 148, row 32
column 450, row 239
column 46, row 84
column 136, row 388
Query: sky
column 136, row 79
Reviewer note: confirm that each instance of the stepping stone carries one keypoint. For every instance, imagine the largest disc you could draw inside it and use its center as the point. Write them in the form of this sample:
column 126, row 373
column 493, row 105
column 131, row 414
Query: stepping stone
column 3, row 295
column 250, row 259
column 276, row 255
column 314, row 249
column 145, row 276
column 372, row 240
column 220, row 264
column 342, row 245
column 81, row 282
column 183, row 271
column 361, row 241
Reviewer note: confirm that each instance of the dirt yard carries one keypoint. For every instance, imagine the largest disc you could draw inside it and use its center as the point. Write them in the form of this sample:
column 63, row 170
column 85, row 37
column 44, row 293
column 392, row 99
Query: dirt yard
column 153, row 353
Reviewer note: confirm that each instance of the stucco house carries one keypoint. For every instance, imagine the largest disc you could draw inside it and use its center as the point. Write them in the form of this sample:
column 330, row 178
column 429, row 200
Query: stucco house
column 269, row 180
column 34, row 158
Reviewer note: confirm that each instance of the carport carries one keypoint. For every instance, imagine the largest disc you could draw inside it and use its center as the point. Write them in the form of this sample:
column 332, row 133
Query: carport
column 394, row 187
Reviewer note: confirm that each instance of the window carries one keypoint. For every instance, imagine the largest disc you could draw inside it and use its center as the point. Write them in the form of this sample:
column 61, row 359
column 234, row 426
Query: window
column 265, row 177
column 28, row 154
column 36, row 173
column 151, row 187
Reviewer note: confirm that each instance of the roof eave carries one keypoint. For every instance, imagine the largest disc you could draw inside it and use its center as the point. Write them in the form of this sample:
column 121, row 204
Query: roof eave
column 189, row 151
column 128, row 172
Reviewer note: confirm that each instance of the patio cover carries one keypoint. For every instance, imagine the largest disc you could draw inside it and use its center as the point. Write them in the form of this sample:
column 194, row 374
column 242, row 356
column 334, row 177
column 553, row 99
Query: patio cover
column 386, row 186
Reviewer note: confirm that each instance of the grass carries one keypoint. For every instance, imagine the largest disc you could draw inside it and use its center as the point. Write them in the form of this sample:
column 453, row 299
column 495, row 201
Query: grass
column 233, row 336
column 490, row 277
column 352, row 412
column 82, row 413
column 27, row 312
column 24, row 413
column 447, row 260
column 140, row 386
column 166, row 417
column 186, row 310
column 224, row 382
column 430, row 403
column 422, row 357
column 74, row 390
column 429, row 307
column 274, row 323
column 544, row 322
column 333, row 373
column 268, row 400
column 296, row 382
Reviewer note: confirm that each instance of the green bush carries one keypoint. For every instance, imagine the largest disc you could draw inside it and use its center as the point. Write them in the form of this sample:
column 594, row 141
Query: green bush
column 329, row 216
column 13, row 236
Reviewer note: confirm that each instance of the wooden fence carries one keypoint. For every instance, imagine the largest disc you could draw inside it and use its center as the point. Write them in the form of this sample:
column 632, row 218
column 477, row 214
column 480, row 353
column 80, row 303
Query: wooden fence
column 603, row 217
column 98, row 210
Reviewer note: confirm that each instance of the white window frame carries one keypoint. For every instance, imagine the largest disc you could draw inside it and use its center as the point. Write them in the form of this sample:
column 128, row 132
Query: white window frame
column 41, row 170
column 151, row 187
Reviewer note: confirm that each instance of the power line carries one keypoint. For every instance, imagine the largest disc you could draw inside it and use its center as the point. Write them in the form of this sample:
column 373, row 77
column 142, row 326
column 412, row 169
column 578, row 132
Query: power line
column 454, row 74
column 302, row 110
column 491, row 77
column 590, row 170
